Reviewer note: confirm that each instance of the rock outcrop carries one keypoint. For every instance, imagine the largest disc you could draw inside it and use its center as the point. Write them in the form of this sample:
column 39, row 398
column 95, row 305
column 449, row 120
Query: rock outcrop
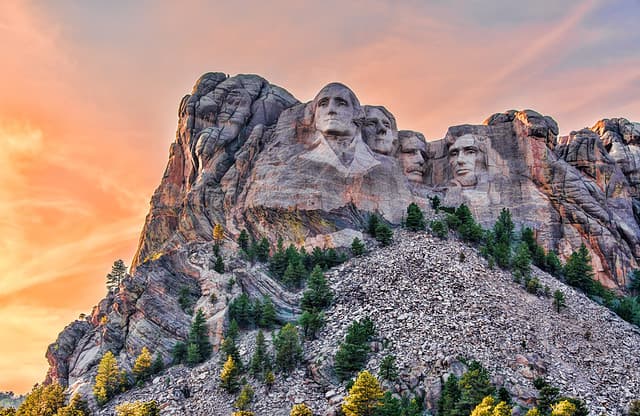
column 249, row 156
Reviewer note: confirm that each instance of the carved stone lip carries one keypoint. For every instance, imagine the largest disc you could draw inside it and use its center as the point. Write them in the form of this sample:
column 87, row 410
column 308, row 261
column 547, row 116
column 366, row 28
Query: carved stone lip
column 462, row 171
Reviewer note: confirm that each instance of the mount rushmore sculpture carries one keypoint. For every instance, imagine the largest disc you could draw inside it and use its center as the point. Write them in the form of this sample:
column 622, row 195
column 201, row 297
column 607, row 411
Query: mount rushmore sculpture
column 249, row 156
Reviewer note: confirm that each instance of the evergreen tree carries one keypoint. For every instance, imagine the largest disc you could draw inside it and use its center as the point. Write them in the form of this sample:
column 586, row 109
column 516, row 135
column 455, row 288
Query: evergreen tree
column 233, row 331
column 219, row 266
column 578, row 271
column 268, row 317
column 558, row 300
column 439, row 229
column 199, row 335
column 503, row 228
column 245, row 397
column 294, row 274
column 240, row 310
column 193, row 354
column 373, row 224
column 352, row 353
column 158, row 364
column 42, row 401
column 288, row 349
column 450, row 397
column 108, row 379
column 229, row 376
column 138, row 408
column 389, row 406
column 278, row 263
column 318, row 294
column 142, row 365
column 474, row 386
column 388, row 368
column 269, row 379
column 384, row 235
column 179, row 353
column 435, row 203
column 311, row 322
column 552, row 263
column 547, row 395
column 260, row 360
column 415, row 218
column 364, row 397
column 262, row 250
column 521, row 263
column 243, row 241
column 634, row 282
column 357, row 247
column 537, row 253
column 117, row 275
column 301, row 410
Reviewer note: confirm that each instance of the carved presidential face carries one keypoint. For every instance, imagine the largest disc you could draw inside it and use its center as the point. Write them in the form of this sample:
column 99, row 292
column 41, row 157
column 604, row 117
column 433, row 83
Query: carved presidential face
column 380, row 131
column 464, row 160
column 334, row 111
column 412, row 157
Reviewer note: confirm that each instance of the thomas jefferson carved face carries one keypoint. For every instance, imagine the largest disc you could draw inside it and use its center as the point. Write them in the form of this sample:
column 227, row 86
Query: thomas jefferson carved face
column 335, row 108
column 464, row 159
column 380, row 131
column 412, row 157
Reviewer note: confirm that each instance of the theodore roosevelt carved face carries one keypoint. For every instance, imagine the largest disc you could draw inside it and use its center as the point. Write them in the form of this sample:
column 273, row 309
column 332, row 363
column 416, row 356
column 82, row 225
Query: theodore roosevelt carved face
column 412, row 156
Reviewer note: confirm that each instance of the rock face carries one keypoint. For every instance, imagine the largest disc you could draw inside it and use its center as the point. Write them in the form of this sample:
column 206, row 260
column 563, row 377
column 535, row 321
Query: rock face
column 249, row 156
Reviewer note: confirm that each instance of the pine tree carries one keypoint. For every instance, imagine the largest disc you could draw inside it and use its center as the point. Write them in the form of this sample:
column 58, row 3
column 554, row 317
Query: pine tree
column 288, row 349
column 142, row 365
column 243, row 241
column 311, row 322
column 219, row 266
column 138, row 408
column 373, row 224
column 218, row 233
column 578, row 271
column 439, row 228
column 279, row 262
column 228, row 348
column 108, row 379
column 262, row 250
column 384, row 235
column 158, row 364
column 268, row 318
column 259, row 357
column 521, row 263
column 229, row 376
column 42, row 401
column 474, row 386
column 364, row 397
column 269, row 379
column 198, row 336
column 558, row 300
column 388, row 368
column 435, row 203
column 245, row 397
column 553, row 264
column 318, row 294
column 352, row 353
column 301, row 410
column 179, row 353
column 117, row 275
column 450, row 397
column 357, row 247
column 415, row 218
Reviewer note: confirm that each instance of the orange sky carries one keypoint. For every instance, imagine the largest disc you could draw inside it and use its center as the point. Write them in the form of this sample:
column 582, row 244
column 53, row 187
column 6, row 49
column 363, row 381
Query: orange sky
column 90, row 90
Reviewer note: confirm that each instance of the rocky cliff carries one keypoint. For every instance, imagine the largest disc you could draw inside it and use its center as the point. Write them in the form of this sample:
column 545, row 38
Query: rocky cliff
column 249, row 156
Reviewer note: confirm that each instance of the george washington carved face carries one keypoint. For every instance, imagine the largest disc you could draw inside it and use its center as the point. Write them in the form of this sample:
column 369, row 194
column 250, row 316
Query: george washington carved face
column 465, row 160
column 335, row 107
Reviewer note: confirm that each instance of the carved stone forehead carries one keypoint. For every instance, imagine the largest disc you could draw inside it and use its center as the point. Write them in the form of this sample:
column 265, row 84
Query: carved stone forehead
column 337, row 89
column 414, row 141
column 464, row 141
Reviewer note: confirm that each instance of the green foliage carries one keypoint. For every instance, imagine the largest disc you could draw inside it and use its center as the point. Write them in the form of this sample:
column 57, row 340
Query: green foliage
column 388, row 368
column 311, row 322
column 229, row 376
column 268, row 316
column 547, row 395
column 364, row 397
column 538, row 256
column 158, row 364
column 185, row 299
column 559, row 301
column 449, row 397
column 117, row 275
column 521, row 263
column 288, row 349
column 372, row 225
column 42, row 401
column 245, row 397
column 533, row 285
column 138, row 408
column 435, row 203
column 240, row 310
column 243, row 241
column 219, row 265
column 198, row 347
column 578, row 271
column 179, row 352
column 384, row 235
column 7, row 411
column 628, row 309
column 634, row 282
column 260, row 361
column 357, row 247
column 462, row 221
column 634, row 408
column 262, row 250
column 318, row 294
column 474, row 386
column 415, row 218
column 108, row 379
column 229, row 348
column 439, row 229
column 553, row 264
column 352, row 353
